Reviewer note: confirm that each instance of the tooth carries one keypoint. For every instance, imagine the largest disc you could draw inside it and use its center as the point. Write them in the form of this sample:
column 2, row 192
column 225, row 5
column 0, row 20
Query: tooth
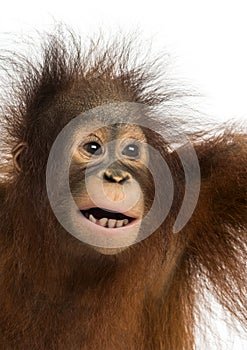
column 119, row 223
column 111, row 223
column 126, row 221
column 92, row 218
column 103, row 222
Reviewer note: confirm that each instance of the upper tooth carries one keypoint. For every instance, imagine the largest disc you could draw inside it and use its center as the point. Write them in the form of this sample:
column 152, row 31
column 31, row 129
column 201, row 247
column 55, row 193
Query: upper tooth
column 103, row 222
column 92, row 218
column 126, row 221
column 111, row 223
column 119, row 223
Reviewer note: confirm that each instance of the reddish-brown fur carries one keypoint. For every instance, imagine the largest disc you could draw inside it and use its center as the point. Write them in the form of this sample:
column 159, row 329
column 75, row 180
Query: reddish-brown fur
column 58, row 293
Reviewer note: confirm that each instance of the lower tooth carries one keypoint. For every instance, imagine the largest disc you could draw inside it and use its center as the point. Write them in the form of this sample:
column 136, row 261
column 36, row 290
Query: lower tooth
column 126, row 221
column 111, row 223
column 119, row 223
column 92, row 218
column 103, row 222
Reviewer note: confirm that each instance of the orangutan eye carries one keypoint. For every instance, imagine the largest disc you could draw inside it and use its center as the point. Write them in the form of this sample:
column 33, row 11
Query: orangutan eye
column 131, row 151
column 93, row 148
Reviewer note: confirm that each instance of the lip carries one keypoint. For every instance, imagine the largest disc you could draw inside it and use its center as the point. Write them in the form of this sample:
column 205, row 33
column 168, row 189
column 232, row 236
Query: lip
column 115, row 209
column 106, row 237
column 134, row 220
column 129, row 216
column 98, row 230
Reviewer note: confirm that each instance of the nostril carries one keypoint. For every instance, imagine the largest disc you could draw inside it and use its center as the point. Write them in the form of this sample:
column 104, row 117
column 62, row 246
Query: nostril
column 109, row 178
column 125, row 178
column 116, row 176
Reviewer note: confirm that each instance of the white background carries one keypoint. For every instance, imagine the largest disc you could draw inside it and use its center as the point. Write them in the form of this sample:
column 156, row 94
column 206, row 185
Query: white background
column 206, row 39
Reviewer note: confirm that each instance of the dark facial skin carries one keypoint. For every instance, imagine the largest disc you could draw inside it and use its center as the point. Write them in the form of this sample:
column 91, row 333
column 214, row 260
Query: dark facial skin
column 115, row 182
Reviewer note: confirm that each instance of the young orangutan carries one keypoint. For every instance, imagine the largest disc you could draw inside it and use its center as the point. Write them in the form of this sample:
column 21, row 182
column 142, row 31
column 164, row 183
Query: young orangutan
column 118, row 281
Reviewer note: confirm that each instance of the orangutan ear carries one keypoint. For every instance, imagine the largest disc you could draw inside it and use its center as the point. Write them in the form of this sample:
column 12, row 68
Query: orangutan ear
column 17, row 152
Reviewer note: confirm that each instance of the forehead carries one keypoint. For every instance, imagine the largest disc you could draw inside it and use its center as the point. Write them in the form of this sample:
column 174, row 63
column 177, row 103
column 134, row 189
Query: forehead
column 121, row 131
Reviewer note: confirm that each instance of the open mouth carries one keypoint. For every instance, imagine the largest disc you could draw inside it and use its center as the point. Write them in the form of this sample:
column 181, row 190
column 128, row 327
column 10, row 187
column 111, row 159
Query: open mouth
column 107, row 218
